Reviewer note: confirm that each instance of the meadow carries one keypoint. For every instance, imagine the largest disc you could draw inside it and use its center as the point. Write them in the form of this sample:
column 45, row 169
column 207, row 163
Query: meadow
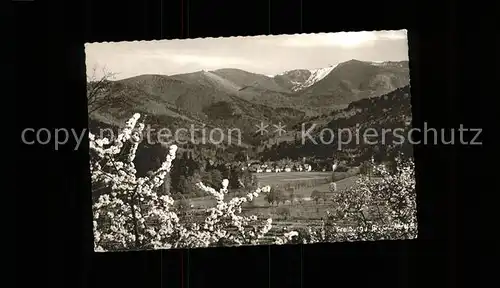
column 285, row 177
column 301, row 214
column 303, row 182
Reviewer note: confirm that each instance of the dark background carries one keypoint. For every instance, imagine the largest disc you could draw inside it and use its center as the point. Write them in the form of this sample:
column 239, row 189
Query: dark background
column 54, row 242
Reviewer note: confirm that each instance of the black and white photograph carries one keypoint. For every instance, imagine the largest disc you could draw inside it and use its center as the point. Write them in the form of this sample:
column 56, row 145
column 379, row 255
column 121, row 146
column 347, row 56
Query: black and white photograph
column 261, row 140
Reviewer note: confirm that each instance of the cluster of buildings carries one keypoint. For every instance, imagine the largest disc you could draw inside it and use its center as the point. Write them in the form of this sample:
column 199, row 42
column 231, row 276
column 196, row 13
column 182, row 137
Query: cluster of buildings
column 276, row 168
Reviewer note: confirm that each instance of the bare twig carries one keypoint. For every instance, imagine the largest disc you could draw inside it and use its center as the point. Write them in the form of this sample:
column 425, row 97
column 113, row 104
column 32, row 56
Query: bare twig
column 99, row 91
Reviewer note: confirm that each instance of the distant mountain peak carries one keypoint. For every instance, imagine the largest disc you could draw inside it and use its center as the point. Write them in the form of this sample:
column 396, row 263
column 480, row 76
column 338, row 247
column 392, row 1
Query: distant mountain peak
column 299, row 79
column 316, row 75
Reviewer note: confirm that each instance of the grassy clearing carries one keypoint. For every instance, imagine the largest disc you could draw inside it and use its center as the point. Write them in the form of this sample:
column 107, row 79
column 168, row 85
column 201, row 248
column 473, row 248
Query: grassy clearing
column 281, row 179
column 299, row 214
column 287, row 177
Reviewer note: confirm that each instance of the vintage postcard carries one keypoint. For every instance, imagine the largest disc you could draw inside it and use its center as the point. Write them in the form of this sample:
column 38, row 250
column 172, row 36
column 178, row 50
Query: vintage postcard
column 260, row 140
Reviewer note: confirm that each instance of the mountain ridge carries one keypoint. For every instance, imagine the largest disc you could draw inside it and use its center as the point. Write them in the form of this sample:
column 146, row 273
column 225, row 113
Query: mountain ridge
column 236, row 98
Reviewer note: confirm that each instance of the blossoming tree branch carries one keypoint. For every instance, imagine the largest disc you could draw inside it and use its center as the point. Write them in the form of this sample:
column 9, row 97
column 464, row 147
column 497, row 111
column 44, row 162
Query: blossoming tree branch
column 134, row 216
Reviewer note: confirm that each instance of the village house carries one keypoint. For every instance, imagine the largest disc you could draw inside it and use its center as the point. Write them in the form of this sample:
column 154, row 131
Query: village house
column 254, row 166
column 278, row 167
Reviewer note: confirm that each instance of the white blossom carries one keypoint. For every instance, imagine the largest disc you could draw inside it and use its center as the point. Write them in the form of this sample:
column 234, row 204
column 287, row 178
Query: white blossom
column 134, row 216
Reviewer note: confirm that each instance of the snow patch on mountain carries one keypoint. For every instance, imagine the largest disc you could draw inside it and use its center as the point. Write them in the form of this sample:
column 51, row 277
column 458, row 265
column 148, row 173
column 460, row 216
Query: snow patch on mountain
column 316, row 75
column 387, row 64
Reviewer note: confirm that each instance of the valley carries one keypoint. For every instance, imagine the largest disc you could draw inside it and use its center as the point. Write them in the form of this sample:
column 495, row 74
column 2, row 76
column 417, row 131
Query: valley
column 354, row 95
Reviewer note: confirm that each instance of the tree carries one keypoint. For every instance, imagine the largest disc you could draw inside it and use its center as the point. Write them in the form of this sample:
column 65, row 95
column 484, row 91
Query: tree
column 134, row 216
column 316, row 196
column 373, row 209
column 100, row 91
column 240, row 156
column 182, row 207
column 165, row 188
column 273, row 196
column 184, row 185
column 332, row 187
column 234, row 177
column 291, row 195
column 366, row 168
column 281, row 196
column 216, row 177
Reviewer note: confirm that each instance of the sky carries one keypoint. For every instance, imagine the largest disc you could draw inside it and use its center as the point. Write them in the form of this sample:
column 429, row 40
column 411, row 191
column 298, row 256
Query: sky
column 268, row 55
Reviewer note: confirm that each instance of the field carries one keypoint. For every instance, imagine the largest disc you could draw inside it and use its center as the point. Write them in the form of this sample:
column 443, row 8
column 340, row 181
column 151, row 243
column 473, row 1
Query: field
column 305, row 180
column 305, row 212
column 284, row 177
